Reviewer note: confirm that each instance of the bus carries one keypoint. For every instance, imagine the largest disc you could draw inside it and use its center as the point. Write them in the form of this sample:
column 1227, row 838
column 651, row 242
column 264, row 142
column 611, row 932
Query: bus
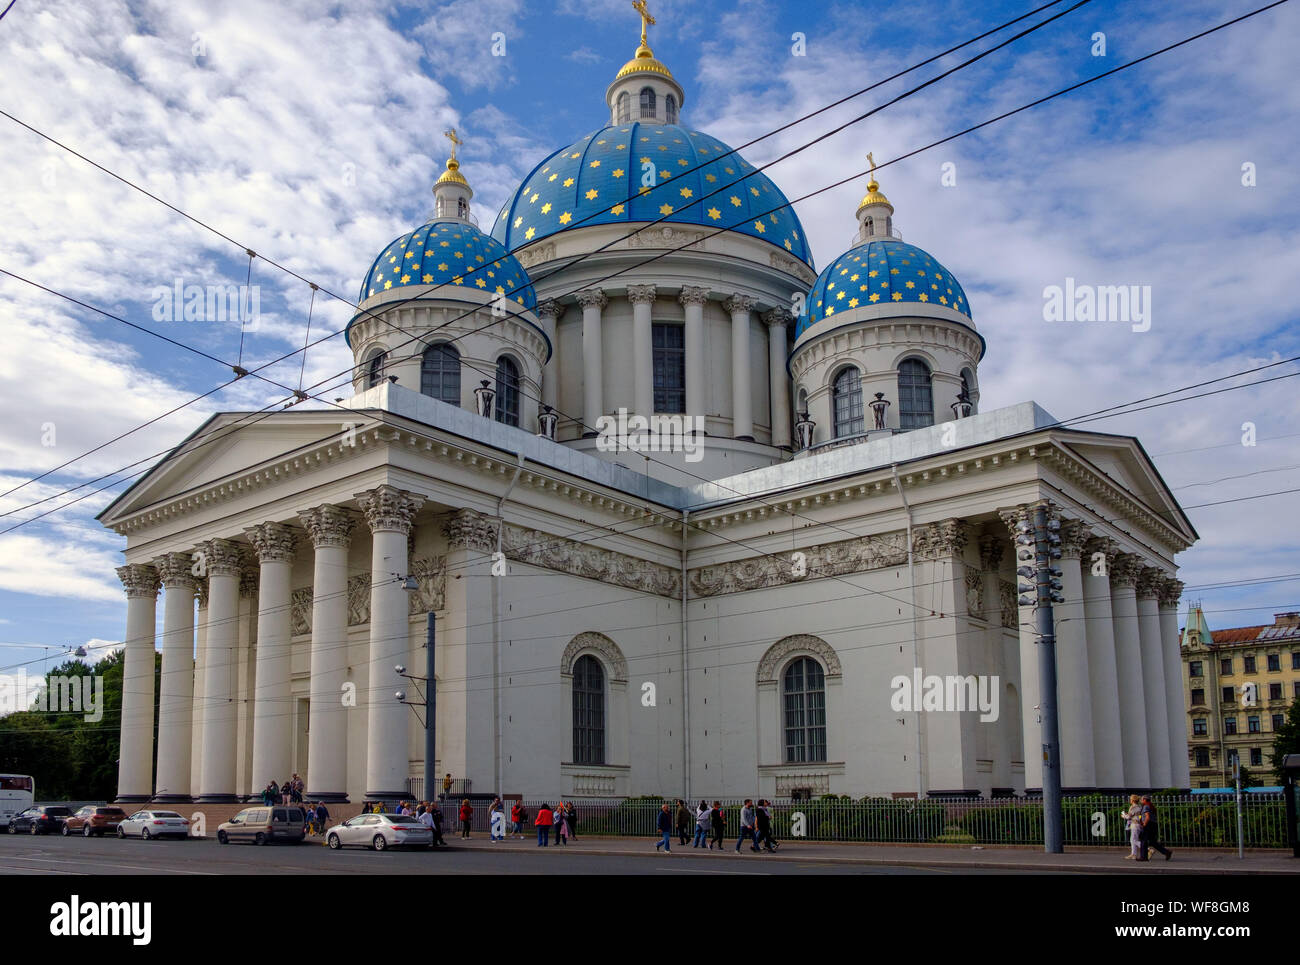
column 17, row 792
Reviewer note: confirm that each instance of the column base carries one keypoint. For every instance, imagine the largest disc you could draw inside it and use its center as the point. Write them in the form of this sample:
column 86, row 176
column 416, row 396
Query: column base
column 131, row 799
column 590, row 435
column 401, row 795
column 961, row 792
column 217, row 799
column 327, row 797
column 744, row 438
column 172, row 799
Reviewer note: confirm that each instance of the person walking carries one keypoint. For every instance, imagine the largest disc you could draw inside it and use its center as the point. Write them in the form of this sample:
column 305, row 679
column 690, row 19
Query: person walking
column 322, row 817
column 747, row 825
column 497, row 819
column 1133, row 826
column 701, row 825
column 517, row 819
column 436, row 813
column 269, row 793
column 296, row 788
column 664, row 824
column 426, row 819
column 446, row 786
column 719, row 823
column 763, row 817
column 571, row 819
column 545, row 818
column 286, row 789
column 561, row 824
column 466, row 817
column 683, row 822
column 1151, row 831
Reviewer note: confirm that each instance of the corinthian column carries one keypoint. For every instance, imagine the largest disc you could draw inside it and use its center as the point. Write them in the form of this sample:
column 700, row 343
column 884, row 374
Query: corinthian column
column 1128, row 664
column 1030, row 721
column 642, row 297
column 327, row 745
column 742, row 405
column 1107, row 739
column 176, row 697
column 200, row 688
column 592, row 301
column 549, row 312
column 1150, row 582
column 221, row 560
column 1170, row 591
column 272, row 717
column 693, row 300
column 135, row 758
column 1073, row 686
column 390, row 512
column 779, row 390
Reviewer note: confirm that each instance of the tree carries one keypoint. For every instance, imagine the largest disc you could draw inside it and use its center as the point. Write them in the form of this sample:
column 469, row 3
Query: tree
column 1287, row 740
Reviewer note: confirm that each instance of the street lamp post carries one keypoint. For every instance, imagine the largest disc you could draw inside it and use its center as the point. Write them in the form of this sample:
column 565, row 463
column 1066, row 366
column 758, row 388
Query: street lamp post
column 430, row 705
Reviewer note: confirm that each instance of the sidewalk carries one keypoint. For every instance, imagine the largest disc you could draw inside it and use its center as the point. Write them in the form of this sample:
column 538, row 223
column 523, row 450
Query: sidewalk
column 937, row 857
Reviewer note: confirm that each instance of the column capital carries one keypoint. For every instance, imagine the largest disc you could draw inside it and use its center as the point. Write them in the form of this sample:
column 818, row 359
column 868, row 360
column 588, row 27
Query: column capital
column 1150, row 580
column 641, row 294
column 140, row 581
column 1074, row 534
column 1171, row 591
column 274, row 542
column 777, row 317
column 991, row 550
column 219, row 557
column 177, row 571
column 550, row 307
column 390, row 509
column 936, row 540
column 592, row 297
column 739, row 304
column 250, row 579
column 1125, row 569
column 328, row 525
column 693, row 296
column 201, row 592
column 1024, row 512
column 468, row 529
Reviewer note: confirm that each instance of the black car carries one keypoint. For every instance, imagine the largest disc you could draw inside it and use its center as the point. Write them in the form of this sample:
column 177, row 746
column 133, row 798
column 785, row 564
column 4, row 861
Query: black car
column 42, row 819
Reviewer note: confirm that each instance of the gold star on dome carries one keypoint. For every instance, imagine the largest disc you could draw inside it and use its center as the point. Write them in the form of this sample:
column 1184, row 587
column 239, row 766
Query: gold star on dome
column 665, row 174
column 442, row 266
column 533, row 198
column 663, row 147
column 644, row 189
column 830, row 286
column 500, row 290
column 617, row 209
column 481, row 283
column 576, row 154
column 405, row 279
column 872, row 273
column 457, row 254
column 388, row 285
column 730, row 170
column 830, row 311
column 665, row 209
column 415, row 268
column 686, row 192
column 844, row 271
column 715, row 214
column 645, row 160
column 788, row 246
column 528, row 235
column 710, row 178
column 447, row 244
column 552, row 177
column 874, row 297
column 591, row 194
column 893, row 271
column 853, row 303
column 618, row 172
column 754, row 192
column 565, row 218
column 682, row 161
column 854, row 276
column 392, row 259
column 546, row 208
column 568, row 182
column 458, row 280
column 478, row 258
column 910, row 284
column 620, row 147
column 735, row 200
column 923, row 297
column 410, row 254
column 897, row 296
column 595, row 164
column 943, row 300
column 839, row 296
column 427, row 279
column 601, row 141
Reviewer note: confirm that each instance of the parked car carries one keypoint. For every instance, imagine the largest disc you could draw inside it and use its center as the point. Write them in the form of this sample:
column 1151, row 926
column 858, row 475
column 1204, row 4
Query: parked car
column 262, row 825
column 381, row 832
column 154, row 824
column 93, row 821
column 41, row 819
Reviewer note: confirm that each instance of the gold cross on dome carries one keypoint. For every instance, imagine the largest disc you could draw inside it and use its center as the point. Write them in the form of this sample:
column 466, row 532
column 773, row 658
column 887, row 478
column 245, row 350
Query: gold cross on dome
column 450, row 134
column 872, row 161
column 646, row 19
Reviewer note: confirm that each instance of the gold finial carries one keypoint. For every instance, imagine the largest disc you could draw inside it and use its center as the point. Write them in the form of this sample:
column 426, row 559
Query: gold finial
column 872, row 161
column 452, row 174
column 873, row 195
column 646, row 19
column 450, row 134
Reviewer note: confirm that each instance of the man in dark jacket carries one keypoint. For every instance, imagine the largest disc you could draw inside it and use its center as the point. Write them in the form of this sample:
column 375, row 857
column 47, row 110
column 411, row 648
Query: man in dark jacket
column 684, row 822
column 764, row 818
column 664, row 824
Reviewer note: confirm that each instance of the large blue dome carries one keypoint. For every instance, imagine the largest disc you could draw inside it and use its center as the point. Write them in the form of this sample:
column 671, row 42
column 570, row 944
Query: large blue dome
column 597, row 180
column 881, row 272
column 452, row 253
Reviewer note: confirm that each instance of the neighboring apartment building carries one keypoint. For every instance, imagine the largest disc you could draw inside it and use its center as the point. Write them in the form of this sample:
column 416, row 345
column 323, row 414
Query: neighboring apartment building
column 1223, row 720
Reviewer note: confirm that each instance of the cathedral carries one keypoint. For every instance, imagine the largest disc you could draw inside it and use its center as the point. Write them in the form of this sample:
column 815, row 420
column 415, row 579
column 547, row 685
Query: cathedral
column 688, row 513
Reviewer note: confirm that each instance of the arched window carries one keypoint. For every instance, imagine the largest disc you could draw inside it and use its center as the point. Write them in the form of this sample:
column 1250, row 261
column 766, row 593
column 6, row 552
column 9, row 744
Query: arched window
column 869, row 222
column 375, row 368
column 968, row 386
column 624, row 108
column 440, row 373
column 588, row 711
column 670, row 109
column 847, row 393
column 915, row 396
column 507, row 398
column 462, row 208
column 804, row 687
column 647, row 102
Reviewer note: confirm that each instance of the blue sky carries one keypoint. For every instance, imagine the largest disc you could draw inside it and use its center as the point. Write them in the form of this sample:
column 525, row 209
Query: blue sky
column 313, row 132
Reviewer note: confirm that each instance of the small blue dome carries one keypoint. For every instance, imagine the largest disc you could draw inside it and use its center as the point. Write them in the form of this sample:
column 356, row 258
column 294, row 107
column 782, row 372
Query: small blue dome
column 881, row 272
column 452, row 253
column 597, row 180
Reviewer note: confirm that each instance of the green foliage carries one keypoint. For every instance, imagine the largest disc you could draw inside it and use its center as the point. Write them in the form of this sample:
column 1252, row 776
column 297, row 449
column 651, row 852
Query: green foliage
column 1287, row 740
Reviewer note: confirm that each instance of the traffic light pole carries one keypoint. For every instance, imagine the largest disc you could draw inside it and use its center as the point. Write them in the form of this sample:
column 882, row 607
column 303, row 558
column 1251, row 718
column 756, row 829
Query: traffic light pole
column 1052, row 817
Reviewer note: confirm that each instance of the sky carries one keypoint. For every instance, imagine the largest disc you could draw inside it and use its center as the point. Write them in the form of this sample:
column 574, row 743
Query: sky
column 311, row 133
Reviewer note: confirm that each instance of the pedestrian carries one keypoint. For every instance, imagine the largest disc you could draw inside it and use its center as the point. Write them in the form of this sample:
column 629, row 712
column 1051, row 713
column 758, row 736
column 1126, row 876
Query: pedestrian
column 561, row 824
column 683, row 822
column 497, row 819
column 719, row 826
column 664, row 824
column 1133, row 826
column 446, row 785
column 436, row 813
column 544, row 820
column 322, row 817
column 296, row 788
column 1151, row 831
column 764, row 819
column 423, row 806
column 286, row 789
column 269, row 793
column 747, row 826
column 702, row 821
column 517, row 819
column 466, row 816
column 426, row 819
column 571, row 819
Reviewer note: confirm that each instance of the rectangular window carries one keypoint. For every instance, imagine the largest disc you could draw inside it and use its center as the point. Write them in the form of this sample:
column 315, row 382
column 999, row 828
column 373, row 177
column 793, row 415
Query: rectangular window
column 1195, row 669
column 1198, row 698
column 1295, row 687
column 1295, row 660
column 1230, row 725
column 1274, row 691
column 1274, row 661
column 1202, row 758
column 1256, row 756
column 1250, row 664
column 669, row 368
column 1229, row 695
column 1252, row 724
column 1198, row 727
column 1225, row 666
column 1276, row 721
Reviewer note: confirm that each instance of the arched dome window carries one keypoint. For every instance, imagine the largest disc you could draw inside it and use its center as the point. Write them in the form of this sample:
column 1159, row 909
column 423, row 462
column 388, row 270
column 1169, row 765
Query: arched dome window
column 440, row 373
column 647, row 102
column 624, row 109
column 848, row 411
column 670, row 109
column 968, row 386
column 588, row 711
column 374, row 368
column 915, row 395
column 507, row 397
column 803, row 687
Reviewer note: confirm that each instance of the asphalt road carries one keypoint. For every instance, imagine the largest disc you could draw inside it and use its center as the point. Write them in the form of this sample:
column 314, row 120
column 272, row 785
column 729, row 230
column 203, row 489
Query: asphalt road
column 53, row 855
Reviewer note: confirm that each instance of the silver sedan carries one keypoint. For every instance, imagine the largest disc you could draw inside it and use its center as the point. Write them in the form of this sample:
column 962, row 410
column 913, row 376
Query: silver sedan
column 381, row 832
